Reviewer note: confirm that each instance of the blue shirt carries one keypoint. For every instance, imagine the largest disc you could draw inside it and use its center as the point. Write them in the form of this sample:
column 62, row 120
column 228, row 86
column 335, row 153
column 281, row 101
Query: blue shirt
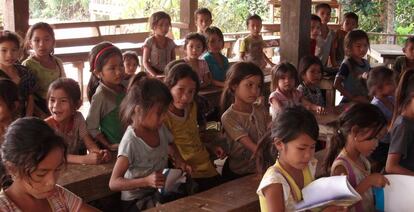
column 216, row 70
column 351, row 71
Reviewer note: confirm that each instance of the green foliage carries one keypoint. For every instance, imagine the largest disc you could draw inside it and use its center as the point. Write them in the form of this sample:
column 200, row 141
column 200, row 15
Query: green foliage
column 59, row 9
column 369, row 13
column 404, row 18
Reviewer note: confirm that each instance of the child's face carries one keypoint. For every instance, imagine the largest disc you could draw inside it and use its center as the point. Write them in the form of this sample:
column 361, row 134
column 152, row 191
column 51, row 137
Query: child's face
column 349, row 24
column 254, row 27
column 325, row 15
column 183, row 93
column 60, row 105
column 162, row 27
column 42, row 42
column 248, row 90
column 9, row 53
column 42, row 182
column 154, row 117
column 215, row 43
column 298, row 152
column 388, row 88
column 130, row 65
column 113, row 71
column 366, row 142
column 286, row 82
column 5, row 113
column 313, row 75
column 194, row 49
column 359, row 48
column 409, row 51
column 315, row 29
column 203, row 21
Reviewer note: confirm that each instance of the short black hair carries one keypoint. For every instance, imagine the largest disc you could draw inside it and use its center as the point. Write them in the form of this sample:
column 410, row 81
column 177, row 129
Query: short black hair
column 315, row 18
column 351, row 15
column 202, row 11
column 322, row 6
column 253, row 17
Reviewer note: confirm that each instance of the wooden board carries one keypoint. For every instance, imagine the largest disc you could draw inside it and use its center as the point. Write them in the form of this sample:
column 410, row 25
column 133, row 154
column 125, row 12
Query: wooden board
column 385, row 53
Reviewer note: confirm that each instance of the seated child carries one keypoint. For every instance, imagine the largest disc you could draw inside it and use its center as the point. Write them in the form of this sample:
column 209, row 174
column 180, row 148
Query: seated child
column 131, row 63
column 9, row 102
column 324, row 43
column 203, row 19
column 310, row 72
column 350, row 22
column 405, row 62
column 315, row 31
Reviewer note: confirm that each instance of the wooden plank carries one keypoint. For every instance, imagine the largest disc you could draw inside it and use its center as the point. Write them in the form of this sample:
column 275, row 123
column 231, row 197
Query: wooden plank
column 385, row 53
column 131, row 37
column 84, row 24
column 16, row 16
column 187, row 9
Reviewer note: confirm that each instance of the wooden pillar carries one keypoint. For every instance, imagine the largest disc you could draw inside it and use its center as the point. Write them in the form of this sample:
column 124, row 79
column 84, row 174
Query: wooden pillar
column 16, row 16
column 295, row 30
column 187, row 9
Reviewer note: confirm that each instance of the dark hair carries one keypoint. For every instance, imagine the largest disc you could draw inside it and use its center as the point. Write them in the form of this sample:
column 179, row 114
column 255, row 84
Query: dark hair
column 306, row 62
column 281, row 69
column 144, row 92
column 361, row 115
column 7, row 35
column 315, row 18
column 136, row 78
column 202, row 11
column 235, row 75
column 410, row 39
column 253, row 17
column 351, row 15
column 130, row 55
column 377, row 77
column 322, row 6
column 33, row 28
column 214, row 31
column 352, row 37
column 156, row 17
column 70, row 87
column 98, row 57
column 9, row 93
column 195, row 36
column 403, row 94
column 171, row 64
column 27, row 142
column 180, row 71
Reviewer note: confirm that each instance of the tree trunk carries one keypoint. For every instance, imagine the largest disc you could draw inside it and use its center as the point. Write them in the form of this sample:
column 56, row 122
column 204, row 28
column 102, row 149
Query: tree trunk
column 390, row 21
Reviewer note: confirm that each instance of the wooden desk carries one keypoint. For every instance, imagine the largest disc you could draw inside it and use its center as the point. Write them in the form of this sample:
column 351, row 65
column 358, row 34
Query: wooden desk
column 385, row 53
column 327, row 85
column 212, row 93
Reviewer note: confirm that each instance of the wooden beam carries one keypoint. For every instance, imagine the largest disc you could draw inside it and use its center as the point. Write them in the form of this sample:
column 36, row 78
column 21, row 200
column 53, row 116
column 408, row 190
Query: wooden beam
column 187, row 9
column 295, row 30
column 16, row 16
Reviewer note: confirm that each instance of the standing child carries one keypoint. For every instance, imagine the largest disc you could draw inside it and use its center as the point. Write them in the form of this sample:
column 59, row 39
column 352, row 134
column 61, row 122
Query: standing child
column 353, row 72
column 349, row 23
column 182, row 122
column 310, row 72
column 34, row 156
column 20, row 75
column 401, row 154
column 251, row 47
column 405, row 62
column 131, row 63
column 359, row 129
column 203, row 19
column 218, row 64
column 43, row 64
column 64, row 99
column 315, row 32
column 159, row 49
column 144, row 149
column 9, row 102
column 324, row 43
column 195, row 45
column 105, row 92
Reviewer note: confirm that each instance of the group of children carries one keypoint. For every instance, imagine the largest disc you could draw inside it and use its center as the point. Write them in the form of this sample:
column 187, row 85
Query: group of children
column 150, row 118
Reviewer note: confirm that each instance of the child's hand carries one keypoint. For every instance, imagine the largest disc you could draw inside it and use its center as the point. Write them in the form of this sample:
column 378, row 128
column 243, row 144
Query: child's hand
column 220, row 153
column 364, row 75
column 92, row 158
column 155, row 180
column 378, row 180
column 105, row 155
column 320, row 110
column 113, row 147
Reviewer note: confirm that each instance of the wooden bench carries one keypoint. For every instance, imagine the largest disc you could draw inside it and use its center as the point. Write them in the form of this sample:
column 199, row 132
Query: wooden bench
column 385, row 53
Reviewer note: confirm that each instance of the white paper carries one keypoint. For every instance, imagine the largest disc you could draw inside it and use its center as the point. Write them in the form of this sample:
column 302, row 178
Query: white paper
column 398, row 196
column 173, row 178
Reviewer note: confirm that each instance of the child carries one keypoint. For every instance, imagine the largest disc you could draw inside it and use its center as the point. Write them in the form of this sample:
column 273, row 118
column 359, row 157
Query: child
column 203, row 19
column 359, row 129
column 218, row 64
column 195, row 45
column 43, row 64
column 315, row 31
column 401, row 156
column 405, row 62
column 64, row 99
column 350, row 80
column 105, row 92
column 251, row 47
column 144, row 149
column 159, row 50
column 131, row 63
column 9, row 102
column 324, row 43
column 284, row 93
column 349, row 23
column 20, row 75
column 295, row 165
column 244, row 121
column 34, row 156
column 182, row 122
column 310, row 72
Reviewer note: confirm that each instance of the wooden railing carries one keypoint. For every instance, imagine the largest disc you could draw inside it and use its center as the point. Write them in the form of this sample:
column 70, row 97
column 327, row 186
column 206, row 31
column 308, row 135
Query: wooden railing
column 389, row 38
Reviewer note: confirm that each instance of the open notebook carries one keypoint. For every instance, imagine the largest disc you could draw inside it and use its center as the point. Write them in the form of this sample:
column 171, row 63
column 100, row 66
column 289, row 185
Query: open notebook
column 173, row 179
column 325, row 191
column 398, row 196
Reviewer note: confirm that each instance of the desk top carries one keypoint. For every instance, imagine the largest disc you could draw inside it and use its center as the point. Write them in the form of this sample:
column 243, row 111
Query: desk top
column 387, row 49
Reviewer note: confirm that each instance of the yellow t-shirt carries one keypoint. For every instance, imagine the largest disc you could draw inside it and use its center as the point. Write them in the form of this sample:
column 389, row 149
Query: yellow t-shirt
column 187, row 139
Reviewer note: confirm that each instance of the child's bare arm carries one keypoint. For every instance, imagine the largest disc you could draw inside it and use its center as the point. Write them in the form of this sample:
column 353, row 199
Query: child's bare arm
column 338, row 86
column 332, row 55
column 274, row 197
column 30, row 106
column 248, row 143
column 146, row 58
column 217, row 83
column 268, row 61
column 178, row 159
column 393, row 165
column 313, row 107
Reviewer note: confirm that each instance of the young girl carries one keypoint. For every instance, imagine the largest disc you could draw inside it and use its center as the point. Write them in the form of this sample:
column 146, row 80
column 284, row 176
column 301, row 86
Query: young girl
column 405, row 62
column 9, row 102
column 159, row 50
column 34, row 156
column 131, row 63
column 359, row 129
column 285, row 94
column 353, row 72
column 64, row 99
column 105, row 92
column 244, row 121
column 44, row 66
column 295, row 166
column 182, row 122
column 310, row 72
column 195, row 45
column 217, row 62
column 401, row 156
column 10, row 69
column 144, row 149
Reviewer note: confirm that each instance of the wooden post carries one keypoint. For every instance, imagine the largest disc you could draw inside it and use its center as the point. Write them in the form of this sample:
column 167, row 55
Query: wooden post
column 187, row 9
column 16, row 16
column 390, row 21
column 295, row 30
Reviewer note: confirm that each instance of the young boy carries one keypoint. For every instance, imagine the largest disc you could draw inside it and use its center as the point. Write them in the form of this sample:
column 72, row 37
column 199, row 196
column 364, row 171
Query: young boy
column 203, row 19
column 323, row 46
column 315, row 31
column 251, row 47
column 350, row 22
column 405, row 62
